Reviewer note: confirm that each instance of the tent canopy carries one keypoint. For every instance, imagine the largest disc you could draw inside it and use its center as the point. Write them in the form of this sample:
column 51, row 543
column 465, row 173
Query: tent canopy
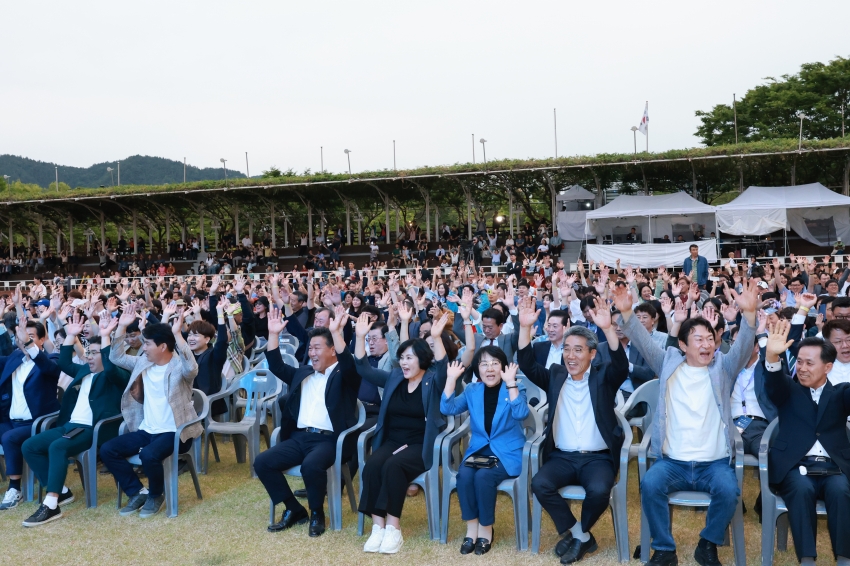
column 813, row 211
column 576, row 192
column 653, row 217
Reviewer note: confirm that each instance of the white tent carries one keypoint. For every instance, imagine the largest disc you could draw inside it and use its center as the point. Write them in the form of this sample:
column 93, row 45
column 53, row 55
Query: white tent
column 652, row 217
column 571, row 222
column 814, row 212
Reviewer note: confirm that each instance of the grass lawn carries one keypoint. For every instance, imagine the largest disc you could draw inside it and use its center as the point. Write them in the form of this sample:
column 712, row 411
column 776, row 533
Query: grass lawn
column 229, row 527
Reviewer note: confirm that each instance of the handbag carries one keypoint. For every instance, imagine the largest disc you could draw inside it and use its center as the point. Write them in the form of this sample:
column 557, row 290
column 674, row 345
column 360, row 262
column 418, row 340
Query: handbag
column 481, row 462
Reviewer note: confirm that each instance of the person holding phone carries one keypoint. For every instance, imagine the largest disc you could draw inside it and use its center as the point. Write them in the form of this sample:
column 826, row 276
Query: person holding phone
column 93, row 395
column 497, row 407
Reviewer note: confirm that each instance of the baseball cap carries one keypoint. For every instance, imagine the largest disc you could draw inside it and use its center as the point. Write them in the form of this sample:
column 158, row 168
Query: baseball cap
column 43, row 303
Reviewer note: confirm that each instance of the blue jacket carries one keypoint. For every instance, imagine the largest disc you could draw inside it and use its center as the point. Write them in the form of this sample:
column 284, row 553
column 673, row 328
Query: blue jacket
column 39, row 388
column 702, row 269
column 507, row 437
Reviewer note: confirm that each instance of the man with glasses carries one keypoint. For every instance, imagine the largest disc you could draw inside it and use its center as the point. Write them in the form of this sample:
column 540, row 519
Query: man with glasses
column 93, row 395
column 582, row 437
column 837, row 333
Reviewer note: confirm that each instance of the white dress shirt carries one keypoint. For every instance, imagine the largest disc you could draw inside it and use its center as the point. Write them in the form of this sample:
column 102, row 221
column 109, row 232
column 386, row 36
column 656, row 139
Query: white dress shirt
column 556, row 355
column 840, row 373
column 816, row 449
column 19, row 409
column 158, row 416
column 574, row 426
column 744, row 400
column 82, row 413
column 313, row 411
column 695, row 430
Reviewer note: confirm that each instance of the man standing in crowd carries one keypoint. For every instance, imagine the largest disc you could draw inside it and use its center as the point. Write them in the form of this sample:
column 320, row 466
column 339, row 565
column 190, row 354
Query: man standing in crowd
column 696, row 267
column 692, row 429
column 809, row 458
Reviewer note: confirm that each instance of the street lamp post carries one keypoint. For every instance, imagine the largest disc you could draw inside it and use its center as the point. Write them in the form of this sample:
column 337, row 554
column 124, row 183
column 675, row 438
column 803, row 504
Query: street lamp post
column 57, row 179
column 119, row 173
column 348, row 155
column 224, row 166
column 634, row 135
column 802, row 117
column 109, row 170
column 484, row 149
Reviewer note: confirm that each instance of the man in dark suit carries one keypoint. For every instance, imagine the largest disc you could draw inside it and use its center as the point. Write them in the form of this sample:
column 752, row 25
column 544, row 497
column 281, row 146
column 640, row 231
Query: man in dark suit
column 552, row 350
column 28, row 385
column 810, row 457
column 93, row 395
column 582, row 437
column 322, row 403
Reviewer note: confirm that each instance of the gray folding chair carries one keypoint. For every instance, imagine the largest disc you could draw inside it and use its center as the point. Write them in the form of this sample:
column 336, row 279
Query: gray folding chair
column 774, row 521
column 290, row 360
column 646, row 393
column 171, row 465
column 28, row 479
column 697, row 499
column 257, row 354
column 617, row 500
column 429, row 481
column 261, row 387
column 335, row 472
column 287, row 349
column 516, row 488
column 289, row 339
column 533, row 392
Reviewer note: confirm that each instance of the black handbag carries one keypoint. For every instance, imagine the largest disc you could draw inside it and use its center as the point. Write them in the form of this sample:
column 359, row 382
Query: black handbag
column 481, row 462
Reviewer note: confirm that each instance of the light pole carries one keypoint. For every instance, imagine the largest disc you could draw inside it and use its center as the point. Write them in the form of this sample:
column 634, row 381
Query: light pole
column 184, row 170
column 119, row 173
column 109, row 170
column 634, row 135
column 224, row 166
column 802, row 117
column 322, row 157
column 6, row 178
column 348, row 155
column 394, row 167
column 57, row 179
column 484, row 149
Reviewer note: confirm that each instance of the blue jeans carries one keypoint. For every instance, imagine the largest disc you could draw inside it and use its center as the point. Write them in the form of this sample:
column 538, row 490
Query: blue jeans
column 477, row 489
column 668, row 475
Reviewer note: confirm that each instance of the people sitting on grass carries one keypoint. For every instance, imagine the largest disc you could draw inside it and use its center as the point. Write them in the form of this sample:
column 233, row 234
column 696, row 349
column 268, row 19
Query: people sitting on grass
column 93, row 395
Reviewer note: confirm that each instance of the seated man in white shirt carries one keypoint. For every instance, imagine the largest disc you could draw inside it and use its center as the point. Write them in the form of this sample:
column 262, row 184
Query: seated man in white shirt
column 157, row 400
column 551, row 351
column 691, row 440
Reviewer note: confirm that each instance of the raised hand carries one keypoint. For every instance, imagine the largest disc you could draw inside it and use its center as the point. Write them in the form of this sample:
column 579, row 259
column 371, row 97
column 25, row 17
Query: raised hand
column 622, row 300
column 177, row 325
column 363, row 325
column 711, row 316
column 336, row 323
column 107, row 324
column 807, row 300
column 681, row 312
column 761, row 320
column 509, row 374
column 777, row 339
column 730, row 312
column 169, row 310
column 666, row 305
column 216, row 282
column 464, row 311
column 75, row 325
column 601, row 314
column 128, row 316
column 239, row 282
column 454, row 371
column 528, row 314
column 276, row 322
column 438, row 325
column 747, row 299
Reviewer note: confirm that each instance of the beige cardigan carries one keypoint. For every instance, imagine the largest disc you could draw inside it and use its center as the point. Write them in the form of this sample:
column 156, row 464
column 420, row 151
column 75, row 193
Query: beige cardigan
column 180, row 374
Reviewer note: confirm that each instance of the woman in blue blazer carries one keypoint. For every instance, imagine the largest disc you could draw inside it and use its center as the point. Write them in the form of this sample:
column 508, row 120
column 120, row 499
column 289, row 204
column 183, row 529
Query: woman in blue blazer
column 497, row 408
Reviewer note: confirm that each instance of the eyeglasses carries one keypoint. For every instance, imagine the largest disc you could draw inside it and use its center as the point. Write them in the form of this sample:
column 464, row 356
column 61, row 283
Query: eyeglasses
column 92, row 353
column 840, row 342
column 375, row 338
column 490, row 364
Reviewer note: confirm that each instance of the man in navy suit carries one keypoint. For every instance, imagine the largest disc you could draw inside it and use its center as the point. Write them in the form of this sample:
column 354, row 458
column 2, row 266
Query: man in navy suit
column 551, row 351
column 810, row 456
column 321, row 404
column 28, row 386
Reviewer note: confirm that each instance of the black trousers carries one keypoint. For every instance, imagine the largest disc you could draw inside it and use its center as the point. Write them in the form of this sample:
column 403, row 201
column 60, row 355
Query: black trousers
column 752, row 437
column 801, row 494
column 386, row 477
column 349, row 445
column 315, row 453
column 594, row 472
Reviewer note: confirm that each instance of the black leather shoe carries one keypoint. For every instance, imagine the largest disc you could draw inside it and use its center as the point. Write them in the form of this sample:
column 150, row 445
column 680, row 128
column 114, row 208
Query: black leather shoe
column 563, row 544
column 577, row 549
column 706, row 553
column 468, row 546
column 289, row 518
column 757, row 507
column 317, row 524
column 300, row 493
column 663, row 558
column 483, row 546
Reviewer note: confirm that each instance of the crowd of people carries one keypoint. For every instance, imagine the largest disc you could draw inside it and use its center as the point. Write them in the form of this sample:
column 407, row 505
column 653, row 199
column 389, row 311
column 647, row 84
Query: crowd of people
column 732, row 348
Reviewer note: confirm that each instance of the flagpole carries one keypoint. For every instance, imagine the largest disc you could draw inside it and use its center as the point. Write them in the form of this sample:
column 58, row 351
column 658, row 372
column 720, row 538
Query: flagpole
column 647, row 127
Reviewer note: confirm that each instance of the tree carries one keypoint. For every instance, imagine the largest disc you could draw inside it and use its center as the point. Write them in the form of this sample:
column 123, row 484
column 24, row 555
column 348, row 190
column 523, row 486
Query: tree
column 273, row 171
column 769, row 111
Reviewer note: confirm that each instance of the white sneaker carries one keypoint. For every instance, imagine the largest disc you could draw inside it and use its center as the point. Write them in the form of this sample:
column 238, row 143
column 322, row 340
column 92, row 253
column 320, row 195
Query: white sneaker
column 375, row 539
column 11, row 499
column 392, row 540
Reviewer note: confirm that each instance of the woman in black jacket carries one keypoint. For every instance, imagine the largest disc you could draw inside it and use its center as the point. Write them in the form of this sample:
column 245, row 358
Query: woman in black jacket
column 408, row 424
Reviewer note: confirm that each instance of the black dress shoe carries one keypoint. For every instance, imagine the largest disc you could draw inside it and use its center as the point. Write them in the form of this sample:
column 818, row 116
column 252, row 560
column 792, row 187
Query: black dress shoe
column 706, row 553
column 577, row 549
column 317, row 524
column 757, row 507
column 483, row 546
column 468, row 546
column 663, row 558
column 563, row 544
column 289, row 518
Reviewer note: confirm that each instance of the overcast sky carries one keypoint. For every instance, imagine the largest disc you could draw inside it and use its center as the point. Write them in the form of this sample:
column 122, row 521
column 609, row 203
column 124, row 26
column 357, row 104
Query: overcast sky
column 83, row 83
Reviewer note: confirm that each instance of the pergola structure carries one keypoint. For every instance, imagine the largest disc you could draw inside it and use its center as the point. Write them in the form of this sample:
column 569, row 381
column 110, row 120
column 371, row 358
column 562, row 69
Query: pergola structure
column 511, row 190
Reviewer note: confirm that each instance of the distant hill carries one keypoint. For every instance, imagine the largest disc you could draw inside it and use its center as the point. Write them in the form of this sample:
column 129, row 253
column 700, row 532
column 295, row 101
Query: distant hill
column 135, row 170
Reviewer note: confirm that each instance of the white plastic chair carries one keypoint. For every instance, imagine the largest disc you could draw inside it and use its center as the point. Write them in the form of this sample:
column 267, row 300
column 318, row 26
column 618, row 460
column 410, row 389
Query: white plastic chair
column 646, row 393
column 516, row 488
column 171, row 465
column 289, row 339
column 617, row 500
column 290, row 360
column 335, row 472
column 429, row 481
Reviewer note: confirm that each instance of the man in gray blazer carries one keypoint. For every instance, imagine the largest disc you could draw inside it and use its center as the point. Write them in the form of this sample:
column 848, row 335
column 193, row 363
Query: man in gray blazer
column 492, row 321
column 692, row 430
